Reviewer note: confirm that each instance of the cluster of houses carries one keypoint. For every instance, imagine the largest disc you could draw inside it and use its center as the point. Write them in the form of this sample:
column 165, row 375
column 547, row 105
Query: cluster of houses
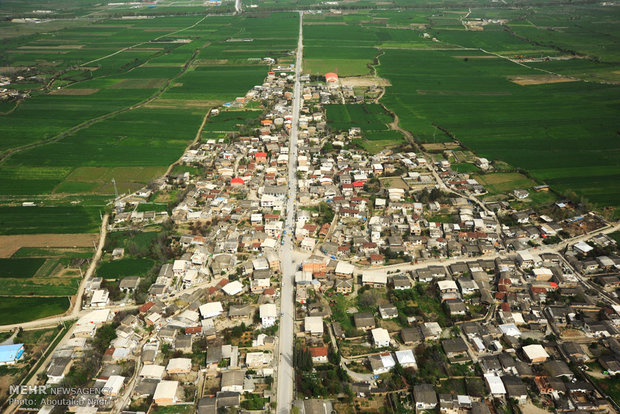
column 523, row 317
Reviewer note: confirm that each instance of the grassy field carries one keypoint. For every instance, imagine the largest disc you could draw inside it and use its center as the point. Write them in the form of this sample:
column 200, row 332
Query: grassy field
column 497, row 183
column 23, row 309
column 124, row 267
column 61, row 219
column 20, row 268
column 373, row 119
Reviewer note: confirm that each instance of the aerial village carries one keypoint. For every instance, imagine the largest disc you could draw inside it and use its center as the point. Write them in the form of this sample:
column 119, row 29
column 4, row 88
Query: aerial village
column 411, row 294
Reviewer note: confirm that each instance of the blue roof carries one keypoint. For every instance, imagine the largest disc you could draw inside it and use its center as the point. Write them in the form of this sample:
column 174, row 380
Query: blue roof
column 10, row 353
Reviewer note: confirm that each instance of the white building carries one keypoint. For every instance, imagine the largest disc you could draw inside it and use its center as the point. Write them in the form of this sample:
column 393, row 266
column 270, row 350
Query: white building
column 268, row 314
column 211, row 310
column 100, row 299
column 380, row 337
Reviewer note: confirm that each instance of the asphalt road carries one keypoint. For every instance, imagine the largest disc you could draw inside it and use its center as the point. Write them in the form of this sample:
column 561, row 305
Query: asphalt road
column 286, row 374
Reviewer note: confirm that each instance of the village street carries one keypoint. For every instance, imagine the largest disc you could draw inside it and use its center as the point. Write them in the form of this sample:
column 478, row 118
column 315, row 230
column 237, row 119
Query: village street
column 286, row 373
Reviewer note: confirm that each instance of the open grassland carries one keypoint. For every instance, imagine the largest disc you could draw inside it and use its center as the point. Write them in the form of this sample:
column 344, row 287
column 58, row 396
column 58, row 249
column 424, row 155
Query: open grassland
column 23, row 309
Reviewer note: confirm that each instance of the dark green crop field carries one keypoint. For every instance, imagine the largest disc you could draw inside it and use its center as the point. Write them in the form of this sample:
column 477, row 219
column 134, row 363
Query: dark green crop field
column 20, row 268
column 368, row 117
column 23, row 309
column 124, row 267
column 61, row 219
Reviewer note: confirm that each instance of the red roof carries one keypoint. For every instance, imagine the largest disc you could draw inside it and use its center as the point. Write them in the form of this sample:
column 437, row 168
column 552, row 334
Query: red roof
column 193, row 329
column 223, row 282
column 109, row 351
column 358, row 184
column 269, row 291
column 318, row 351
column 148, row 305
column 237, row 181
column 261, row 154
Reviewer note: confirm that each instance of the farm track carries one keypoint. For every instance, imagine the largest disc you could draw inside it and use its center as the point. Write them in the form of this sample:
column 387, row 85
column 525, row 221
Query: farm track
column 7, row 154
column 12, row 109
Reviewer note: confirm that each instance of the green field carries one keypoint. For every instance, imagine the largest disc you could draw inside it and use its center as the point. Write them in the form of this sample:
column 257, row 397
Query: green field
column 373, row 120
column 124, row 267
column 19, row 268
column 23, row 309
column 61, row 219
column 563, row 131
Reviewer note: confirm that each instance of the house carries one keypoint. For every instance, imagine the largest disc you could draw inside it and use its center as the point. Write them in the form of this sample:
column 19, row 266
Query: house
column 401, row 282
column 425, row 397
column 535, row 353
column 456, row 307
column 380, row 337
column 374, row 280
column 179, row 366
column 406, row 358
column 165, row 393
column 343, row 286
column 344, row 269
column 152, row 372
column 113, row 385
column 268, row 314
column 313, row 325
column 388, row 311
column 610, row 363
column 454, row 348
column 129, row 284
column 495, row 385
column 232, row 380
column 319, row 354
column 364, row 320
column 381, row 363
column 57, row 370
column 100, row 298
column 211, row 310
column 431, row 331
column 411, row 336
column 515, row 388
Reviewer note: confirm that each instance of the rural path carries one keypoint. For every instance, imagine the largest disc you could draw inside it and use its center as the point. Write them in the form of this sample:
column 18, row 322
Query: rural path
column 286, row 373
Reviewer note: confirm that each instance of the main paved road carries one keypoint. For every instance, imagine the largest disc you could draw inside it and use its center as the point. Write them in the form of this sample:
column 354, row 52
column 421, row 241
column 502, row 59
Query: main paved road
column 286, row 375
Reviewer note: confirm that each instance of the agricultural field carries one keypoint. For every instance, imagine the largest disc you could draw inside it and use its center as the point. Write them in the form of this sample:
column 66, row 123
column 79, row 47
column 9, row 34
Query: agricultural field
column 373, row 120
column 43, row 272
column 19, row 268
column 23, row 309
column 60, row 219
column 498, row 183
column 124, row 267
column 115, row 66
column 511, row 90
